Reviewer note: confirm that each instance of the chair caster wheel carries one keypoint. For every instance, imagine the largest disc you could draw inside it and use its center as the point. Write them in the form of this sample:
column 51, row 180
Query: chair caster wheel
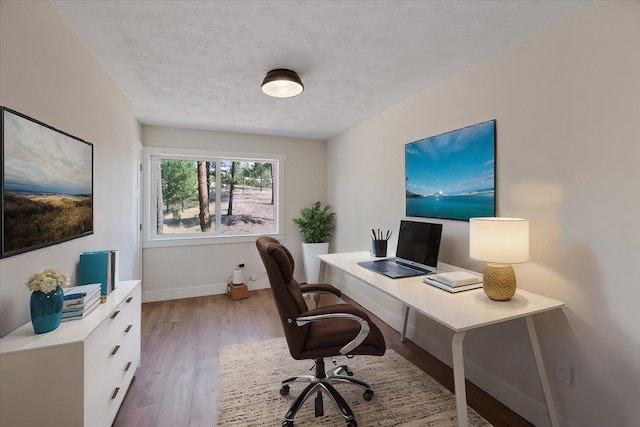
column 368, row 395
column 283, row 392
column 352, row 423
column 286, row 423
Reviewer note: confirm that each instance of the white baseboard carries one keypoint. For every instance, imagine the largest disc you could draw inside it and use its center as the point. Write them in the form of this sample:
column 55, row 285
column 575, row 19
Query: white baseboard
column 194, row 291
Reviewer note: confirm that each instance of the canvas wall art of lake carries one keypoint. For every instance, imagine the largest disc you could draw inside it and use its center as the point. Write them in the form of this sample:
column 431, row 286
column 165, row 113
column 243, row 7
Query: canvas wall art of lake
column 452, row 175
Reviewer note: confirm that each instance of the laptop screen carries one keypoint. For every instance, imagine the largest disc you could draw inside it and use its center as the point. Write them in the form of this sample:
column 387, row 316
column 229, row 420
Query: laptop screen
column 419, row 244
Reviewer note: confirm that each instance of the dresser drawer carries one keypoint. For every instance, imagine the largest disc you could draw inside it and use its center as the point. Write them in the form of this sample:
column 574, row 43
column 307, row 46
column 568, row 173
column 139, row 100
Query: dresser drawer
column 112, row 355
column 119, row 321
column 108, row 375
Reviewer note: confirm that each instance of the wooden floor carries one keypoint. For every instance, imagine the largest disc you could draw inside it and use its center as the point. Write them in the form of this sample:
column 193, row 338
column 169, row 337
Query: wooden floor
column 177, row 382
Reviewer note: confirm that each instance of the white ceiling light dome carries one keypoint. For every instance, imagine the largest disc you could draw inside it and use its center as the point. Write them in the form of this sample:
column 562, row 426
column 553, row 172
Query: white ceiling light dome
column 282, row 83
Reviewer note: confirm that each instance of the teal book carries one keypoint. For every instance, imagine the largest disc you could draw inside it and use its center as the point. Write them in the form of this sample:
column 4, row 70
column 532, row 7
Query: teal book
column 95, row 267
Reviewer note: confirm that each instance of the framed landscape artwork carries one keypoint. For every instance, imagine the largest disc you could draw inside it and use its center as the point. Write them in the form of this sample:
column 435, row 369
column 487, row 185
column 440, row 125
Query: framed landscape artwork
column 452, row 175
column 47, row 185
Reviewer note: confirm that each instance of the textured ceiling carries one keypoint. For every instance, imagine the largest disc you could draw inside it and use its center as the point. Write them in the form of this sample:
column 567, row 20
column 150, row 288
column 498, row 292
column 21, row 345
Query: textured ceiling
column 199, row 64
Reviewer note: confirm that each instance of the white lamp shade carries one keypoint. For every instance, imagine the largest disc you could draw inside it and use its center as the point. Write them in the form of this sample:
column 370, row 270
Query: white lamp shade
column 499, row 240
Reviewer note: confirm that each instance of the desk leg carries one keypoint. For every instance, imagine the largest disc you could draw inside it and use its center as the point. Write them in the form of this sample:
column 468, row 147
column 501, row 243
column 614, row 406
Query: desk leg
column 458, row 379
column 542, row 373
column 321, row 271
column 403, row 334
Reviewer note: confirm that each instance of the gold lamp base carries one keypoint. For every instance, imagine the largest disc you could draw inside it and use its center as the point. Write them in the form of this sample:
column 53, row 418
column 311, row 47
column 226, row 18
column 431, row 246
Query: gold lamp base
column 499, row 281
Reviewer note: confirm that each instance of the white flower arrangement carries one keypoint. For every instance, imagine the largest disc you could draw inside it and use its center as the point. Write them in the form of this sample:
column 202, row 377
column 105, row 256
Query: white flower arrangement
column 47, row 280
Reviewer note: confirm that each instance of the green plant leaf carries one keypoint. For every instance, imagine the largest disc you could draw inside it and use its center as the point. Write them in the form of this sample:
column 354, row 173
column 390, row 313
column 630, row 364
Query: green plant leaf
column 315, row 223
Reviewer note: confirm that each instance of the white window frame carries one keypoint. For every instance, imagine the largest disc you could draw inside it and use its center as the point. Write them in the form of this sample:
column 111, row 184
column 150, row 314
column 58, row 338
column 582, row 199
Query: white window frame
column 153, row 240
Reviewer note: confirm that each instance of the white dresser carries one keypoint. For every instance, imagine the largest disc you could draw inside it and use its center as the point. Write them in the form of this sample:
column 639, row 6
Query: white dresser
column 76, row 375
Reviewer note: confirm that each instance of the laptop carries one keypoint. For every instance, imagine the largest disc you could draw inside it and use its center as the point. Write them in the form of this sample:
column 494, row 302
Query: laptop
column 416, row 254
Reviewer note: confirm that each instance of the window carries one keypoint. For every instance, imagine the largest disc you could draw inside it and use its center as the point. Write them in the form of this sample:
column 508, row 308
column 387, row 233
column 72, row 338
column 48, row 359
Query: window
column 199, row 196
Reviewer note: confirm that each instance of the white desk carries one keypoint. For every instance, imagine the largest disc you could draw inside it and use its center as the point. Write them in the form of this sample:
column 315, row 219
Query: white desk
column 459, row 312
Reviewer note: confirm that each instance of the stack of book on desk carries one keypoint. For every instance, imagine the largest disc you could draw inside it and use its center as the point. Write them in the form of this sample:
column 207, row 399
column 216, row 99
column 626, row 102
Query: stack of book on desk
column 454, row 281
column 80, row 301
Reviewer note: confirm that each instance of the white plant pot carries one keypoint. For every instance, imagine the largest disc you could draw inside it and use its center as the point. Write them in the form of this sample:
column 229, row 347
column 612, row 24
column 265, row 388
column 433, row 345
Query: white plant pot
column 310, row 252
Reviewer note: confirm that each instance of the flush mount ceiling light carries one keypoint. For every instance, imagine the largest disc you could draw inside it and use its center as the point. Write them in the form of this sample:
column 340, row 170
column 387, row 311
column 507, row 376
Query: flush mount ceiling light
column 282, row 83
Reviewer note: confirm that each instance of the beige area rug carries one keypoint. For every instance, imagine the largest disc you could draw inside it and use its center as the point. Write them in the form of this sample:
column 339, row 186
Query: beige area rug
column 250, row 376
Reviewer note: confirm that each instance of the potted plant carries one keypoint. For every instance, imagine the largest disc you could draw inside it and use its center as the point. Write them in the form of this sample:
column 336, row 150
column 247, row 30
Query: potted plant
column 315, row 224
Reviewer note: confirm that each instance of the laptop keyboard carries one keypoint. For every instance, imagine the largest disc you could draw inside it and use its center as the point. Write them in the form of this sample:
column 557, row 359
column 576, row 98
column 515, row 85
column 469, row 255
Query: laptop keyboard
column 392, row 269
column 395, row 268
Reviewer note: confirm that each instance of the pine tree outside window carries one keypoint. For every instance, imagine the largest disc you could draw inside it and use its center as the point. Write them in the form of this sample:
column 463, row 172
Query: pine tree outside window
column 192, row 194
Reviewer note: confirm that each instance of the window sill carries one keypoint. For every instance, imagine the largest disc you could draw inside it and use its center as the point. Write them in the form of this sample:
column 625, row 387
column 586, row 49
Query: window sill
column 198, row 241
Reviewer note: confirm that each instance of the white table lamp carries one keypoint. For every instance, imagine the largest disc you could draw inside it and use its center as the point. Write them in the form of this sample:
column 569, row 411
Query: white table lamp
column 501, row 242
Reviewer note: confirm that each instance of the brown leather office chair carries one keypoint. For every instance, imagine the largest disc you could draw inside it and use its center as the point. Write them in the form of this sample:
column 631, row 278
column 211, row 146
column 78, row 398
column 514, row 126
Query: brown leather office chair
column 327, row 331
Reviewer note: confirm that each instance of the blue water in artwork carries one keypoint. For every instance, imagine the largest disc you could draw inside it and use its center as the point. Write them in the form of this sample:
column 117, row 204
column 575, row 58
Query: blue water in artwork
column 452, row 207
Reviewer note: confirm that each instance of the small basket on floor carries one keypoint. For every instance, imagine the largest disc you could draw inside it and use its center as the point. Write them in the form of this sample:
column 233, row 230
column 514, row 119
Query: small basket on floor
column 238, row 291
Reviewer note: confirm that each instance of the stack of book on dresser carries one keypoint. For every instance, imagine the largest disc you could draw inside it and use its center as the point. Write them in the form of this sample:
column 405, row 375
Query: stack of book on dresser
column 79, row 301
column 454, row 281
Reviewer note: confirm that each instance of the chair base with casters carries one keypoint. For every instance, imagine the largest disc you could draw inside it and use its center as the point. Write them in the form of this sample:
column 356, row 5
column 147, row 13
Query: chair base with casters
column 320, row 383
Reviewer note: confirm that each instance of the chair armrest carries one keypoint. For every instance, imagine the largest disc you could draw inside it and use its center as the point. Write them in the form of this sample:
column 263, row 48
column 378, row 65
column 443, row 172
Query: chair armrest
column 317, row 289
column 320, row 288
column 339, row 311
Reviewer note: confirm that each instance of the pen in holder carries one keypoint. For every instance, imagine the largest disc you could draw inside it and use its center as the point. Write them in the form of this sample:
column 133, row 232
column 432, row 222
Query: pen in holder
column 379, row 243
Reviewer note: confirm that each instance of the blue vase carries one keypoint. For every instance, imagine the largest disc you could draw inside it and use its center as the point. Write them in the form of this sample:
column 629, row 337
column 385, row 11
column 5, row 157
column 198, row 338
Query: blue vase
column 46, row 310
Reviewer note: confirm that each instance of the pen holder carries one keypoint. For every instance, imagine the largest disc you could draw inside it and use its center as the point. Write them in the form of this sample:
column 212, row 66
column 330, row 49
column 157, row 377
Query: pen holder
column 379, row 248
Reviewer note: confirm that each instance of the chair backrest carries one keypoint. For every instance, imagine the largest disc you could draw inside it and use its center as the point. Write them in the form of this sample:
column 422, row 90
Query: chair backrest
column 286, row 291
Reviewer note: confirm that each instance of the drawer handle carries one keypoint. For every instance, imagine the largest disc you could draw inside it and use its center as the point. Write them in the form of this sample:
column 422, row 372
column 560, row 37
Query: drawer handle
column 115, row 313
column 115, row 392
column 129, row 300
column 128, row 328
column 115, row 350
column 126, row 368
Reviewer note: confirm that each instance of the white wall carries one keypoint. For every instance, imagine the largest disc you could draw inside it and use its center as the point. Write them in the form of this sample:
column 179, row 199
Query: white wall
column 567, row 104
column 48, row 74
column 183, row 271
